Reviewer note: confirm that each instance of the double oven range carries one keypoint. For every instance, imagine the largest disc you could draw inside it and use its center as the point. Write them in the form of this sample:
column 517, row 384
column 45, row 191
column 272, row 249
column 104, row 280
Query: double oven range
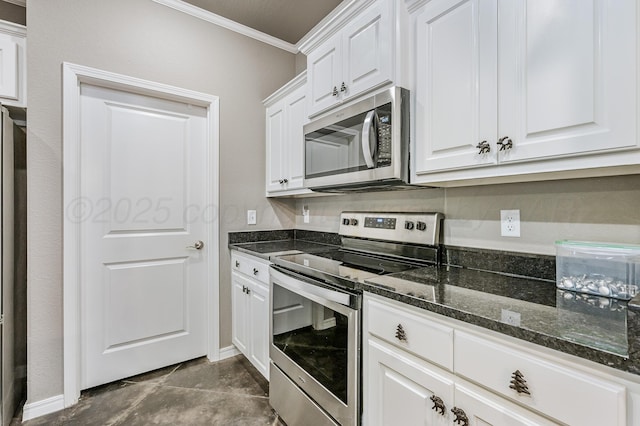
column 315, row 314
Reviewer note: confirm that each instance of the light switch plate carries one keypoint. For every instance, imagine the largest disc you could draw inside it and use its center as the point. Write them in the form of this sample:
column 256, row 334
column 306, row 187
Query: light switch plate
column 251, row 217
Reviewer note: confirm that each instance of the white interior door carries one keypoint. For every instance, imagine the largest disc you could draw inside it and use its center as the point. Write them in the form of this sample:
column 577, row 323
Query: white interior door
column 143, row 290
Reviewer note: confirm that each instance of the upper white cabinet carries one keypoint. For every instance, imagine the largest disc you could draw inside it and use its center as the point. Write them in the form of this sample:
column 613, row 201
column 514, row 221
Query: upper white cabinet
column 285, row 118
column 505, row 82
column 361, row 55
column 13, row 72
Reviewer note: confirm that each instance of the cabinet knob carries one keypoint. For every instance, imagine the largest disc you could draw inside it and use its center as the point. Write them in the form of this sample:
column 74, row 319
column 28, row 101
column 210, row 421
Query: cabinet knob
column 400, row 333
column 518, row 383
column 460, row 416
column 255, row 271
column 244, row 288
column 505, row 143
column 438, row 404
column 281, row 181
column 237, row 264
column 285, row 180
column 343, row 87
column 484, row 147
column 335, row 91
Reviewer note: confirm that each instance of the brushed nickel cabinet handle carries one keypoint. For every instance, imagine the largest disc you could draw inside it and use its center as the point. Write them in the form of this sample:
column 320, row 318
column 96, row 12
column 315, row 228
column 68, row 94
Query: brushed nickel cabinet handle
column 438, row 404
column 518, row 383
column 505, row 143
column 483, row 147
column 400, row 333
column 460, row 416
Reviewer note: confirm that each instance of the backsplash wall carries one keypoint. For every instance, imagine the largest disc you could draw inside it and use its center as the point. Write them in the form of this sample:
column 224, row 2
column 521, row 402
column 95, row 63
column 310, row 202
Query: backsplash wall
column 593, row 209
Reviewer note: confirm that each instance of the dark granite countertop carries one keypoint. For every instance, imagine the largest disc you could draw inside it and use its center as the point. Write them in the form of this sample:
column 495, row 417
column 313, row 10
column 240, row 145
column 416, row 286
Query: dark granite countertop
column 267, row 249
column 505, row 299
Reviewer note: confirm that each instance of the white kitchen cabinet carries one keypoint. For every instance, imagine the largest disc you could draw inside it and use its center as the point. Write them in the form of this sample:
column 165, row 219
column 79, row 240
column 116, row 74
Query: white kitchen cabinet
column 508, row 87
column 356, row 59
column 399, row 382
column 250, row 309
column 400, row 390
column 13, row 71
column 285, row 118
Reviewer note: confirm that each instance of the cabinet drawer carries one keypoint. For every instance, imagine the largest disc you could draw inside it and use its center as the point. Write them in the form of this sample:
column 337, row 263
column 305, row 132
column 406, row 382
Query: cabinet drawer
column 250, row 266
column 412, row 332
column 568, row 395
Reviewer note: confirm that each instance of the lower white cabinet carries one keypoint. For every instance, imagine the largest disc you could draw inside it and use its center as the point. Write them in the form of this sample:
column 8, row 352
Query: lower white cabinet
column 250, row 310
column 402, row 385
column 400, row 390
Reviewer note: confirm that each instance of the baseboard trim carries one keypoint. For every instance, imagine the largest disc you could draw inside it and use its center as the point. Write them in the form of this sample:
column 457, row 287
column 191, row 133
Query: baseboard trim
column 32, row 410
column 228, row 352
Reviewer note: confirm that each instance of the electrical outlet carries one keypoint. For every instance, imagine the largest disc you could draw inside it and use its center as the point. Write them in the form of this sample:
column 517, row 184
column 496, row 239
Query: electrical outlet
column 511, row 318
column 305, row 214
column 510, row 223
column 251, row 217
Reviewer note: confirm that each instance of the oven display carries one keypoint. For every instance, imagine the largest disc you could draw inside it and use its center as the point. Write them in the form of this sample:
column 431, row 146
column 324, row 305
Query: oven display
column 380, row 222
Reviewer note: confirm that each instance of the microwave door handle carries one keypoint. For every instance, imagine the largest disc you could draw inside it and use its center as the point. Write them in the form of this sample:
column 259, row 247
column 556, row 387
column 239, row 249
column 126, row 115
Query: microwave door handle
column 367, row 128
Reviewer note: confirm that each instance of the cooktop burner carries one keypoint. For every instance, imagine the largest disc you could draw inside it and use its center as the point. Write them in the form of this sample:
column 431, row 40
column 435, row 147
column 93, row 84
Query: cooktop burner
column 374, row 244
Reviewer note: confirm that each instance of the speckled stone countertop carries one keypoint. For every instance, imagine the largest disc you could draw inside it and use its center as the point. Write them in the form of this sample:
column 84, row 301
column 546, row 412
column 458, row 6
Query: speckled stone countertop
column 489, row 288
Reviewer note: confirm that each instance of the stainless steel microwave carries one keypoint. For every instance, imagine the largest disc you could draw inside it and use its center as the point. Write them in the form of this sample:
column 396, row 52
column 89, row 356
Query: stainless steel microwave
column 363, row 146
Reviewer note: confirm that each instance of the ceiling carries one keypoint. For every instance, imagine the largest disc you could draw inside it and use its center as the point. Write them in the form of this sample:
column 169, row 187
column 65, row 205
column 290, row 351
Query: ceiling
column 288, row 20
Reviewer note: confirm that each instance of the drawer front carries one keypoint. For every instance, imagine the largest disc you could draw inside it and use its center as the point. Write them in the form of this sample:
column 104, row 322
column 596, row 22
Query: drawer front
column 250, row 266
column 567, row 395
column 412, row 332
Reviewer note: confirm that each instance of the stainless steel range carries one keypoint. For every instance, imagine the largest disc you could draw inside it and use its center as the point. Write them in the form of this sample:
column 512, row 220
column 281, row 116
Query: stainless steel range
column 315, row 312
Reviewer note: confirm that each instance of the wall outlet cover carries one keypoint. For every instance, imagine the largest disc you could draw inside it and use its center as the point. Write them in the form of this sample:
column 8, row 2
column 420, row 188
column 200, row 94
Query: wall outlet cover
column 252, row 217
column 510, row 223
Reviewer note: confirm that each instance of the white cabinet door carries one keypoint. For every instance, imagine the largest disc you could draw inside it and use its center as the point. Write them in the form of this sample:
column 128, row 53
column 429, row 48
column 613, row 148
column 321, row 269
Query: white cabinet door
column 324, row 68
column 567, row 77
column 484, row 409
column 258, row 302
column 456, row 92
column 240, row 312
column 367, row 50
column 398, row 389
column 551, row 79
column 296, row 106
column 275, row 146
column 358, row 58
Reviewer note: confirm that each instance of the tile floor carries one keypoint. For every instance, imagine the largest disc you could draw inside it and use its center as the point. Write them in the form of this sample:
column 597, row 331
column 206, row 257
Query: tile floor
column 229, row 392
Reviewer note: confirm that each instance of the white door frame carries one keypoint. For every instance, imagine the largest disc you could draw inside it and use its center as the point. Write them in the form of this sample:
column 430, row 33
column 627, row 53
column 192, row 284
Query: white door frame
column 73, row 77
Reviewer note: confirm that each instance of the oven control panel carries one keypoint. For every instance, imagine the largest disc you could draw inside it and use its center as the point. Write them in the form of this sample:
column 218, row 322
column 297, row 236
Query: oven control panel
column 413, row 228
column 380, row 222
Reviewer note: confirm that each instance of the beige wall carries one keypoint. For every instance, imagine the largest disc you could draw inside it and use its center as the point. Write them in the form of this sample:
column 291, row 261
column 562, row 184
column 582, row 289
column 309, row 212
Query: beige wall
column 142, row 39
column 595, row 209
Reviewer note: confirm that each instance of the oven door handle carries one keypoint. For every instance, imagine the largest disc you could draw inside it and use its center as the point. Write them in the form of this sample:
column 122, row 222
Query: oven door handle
column 368, row 130
column 338, row 301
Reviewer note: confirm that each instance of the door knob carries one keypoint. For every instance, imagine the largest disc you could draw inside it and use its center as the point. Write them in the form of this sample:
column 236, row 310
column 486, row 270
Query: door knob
column 197, row 245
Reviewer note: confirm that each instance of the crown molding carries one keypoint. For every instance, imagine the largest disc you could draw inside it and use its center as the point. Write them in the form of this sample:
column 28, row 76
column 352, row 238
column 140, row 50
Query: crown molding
column 296, row 82
column 228, row 24
column 21, row 3
column 331, row 24
column 13, row 28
